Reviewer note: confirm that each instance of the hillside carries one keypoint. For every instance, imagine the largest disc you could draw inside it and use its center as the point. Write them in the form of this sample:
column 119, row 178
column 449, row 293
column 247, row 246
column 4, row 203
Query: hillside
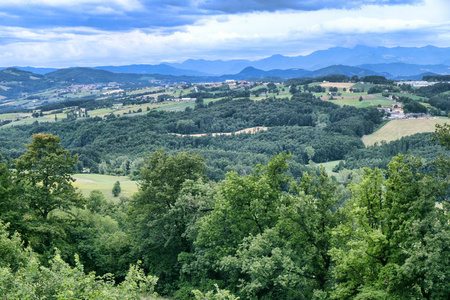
column 91, row 76
column 396, row 129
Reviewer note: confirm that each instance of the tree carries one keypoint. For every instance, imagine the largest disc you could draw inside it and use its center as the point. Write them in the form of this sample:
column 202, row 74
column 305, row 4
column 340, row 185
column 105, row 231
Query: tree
column 96, row 201
column 393, row 245
column 244, row 207
column 116, row 189
column 43, row 179
column 12, row 209
column 45, row 173
column 442, row 135
column 158, row 231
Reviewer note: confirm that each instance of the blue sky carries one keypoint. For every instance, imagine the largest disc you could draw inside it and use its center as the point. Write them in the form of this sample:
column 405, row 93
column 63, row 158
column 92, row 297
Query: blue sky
column 63, row 33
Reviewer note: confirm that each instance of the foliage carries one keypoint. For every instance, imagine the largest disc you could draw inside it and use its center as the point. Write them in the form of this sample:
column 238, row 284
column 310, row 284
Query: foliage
column 151, row 214
column 441, row 102
column 218, row 295
column 44, row 172
column 433, row 90
column 442, row 135
column 375, row 248
column 375, row 79
column 116, row 189
column 23, row 277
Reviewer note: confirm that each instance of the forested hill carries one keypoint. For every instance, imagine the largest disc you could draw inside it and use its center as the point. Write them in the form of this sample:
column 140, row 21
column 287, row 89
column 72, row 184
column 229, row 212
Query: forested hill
column 310, row 128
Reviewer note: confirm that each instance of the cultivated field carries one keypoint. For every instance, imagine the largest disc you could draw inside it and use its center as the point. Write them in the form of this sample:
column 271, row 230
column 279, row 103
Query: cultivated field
column 104, row 183
column 396, row 129
column 251, row 130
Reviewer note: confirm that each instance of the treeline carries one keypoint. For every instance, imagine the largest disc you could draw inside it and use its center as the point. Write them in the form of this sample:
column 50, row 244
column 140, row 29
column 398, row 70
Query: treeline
column 379, row 155
column 442, row 102
column 433, row 90
column 436, row 78
column 89, row 104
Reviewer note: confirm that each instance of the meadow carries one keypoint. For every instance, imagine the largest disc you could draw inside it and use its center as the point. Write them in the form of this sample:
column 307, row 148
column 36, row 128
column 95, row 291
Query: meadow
column 396, row 129
column 104, row 183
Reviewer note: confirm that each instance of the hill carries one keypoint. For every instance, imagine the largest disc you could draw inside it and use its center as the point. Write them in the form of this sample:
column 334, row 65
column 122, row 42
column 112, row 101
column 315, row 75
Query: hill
column 399, row 69
column 162, row 69
column 16, row 83
column 89, row 76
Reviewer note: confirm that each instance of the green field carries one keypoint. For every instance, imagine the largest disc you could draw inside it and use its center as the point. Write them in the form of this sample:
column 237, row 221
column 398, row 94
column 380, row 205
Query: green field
column 396, row 129
column 104, row 183
column 369, row 100
column 329, row 166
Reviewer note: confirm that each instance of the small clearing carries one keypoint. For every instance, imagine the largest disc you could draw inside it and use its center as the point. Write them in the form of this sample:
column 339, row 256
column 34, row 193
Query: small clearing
column 340, row 85
column 397, row 129
column 104, row 183
column 251, row 130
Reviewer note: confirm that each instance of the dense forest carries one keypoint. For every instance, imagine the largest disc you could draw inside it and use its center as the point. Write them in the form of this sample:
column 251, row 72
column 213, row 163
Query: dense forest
column 264, row 235
column 310, row 128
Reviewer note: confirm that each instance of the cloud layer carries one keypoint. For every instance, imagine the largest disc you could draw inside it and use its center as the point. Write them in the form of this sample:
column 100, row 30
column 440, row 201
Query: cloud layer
column 60, row 33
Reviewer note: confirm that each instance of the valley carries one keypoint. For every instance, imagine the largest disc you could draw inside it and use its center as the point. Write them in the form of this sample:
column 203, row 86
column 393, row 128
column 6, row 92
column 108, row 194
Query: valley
column 154, row 172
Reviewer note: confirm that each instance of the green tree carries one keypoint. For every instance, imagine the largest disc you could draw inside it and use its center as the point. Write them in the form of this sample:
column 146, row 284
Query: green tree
column 116, row 189
column 45, row 173
column 159, row 233
column 442, row 135
column 96, row 201
column 244, row 207
column 291, row 259
column 394, row 240
column 22, row 276
column 43, row 179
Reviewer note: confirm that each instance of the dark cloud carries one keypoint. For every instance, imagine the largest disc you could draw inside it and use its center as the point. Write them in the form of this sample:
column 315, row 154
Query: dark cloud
column 104, row 16
column 236, row 6
column 109, row 15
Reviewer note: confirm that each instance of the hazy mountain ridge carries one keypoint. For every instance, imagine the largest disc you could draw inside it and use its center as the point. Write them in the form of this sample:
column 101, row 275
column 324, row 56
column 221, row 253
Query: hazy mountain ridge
column 357, row 56
column 398, row 62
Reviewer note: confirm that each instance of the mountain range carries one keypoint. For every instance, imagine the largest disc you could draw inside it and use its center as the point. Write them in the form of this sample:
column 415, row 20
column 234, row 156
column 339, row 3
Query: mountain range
column 394, row 63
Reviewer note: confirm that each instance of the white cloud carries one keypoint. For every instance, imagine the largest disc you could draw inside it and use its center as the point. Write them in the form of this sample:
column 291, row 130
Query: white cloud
column 250, row 36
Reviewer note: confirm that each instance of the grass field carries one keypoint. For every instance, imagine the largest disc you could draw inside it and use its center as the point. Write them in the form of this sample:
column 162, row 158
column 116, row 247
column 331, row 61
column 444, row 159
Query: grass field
column 104, row 183
column 397, row 129
column 369, row 100
column 329, row 166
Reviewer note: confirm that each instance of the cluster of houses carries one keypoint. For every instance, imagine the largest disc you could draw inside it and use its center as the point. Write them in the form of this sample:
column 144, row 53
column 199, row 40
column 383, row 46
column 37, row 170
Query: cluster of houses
column 416, row 83
column 395, row 111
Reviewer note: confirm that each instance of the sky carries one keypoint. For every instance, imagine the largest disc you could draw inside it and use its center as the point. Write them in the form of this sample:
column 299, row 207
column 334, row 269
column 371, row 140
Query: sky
column 68, row 33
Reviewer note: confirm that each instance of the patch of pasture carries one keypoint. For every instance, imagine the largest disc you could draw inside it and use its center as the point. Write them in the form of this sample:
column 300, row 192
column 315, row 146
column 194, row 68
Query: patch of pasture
column 396, row 129
column 104, row 183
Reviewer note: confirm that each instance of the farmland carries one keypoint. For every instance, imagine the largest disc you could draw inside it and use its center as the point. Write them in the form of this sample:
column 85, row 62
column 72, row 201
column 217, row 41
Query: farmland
column 397, row 129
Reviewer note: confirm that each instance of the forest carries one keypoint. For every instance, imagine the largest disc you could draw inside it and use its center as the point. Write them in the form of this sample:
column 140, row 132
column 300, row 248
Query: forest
column 310, row 128
column 265, row 235
column 248, row 216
